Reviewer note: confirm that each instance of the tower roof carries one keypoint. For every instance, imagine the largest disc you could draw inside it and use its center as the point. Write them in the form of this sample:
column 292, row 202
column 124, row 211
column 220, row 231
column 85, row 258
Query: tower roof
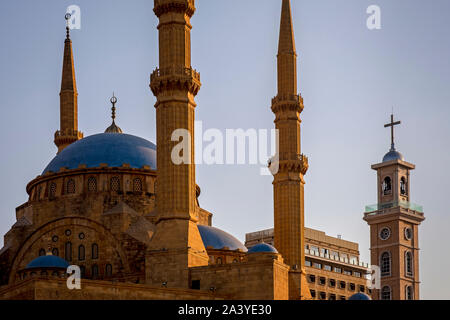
column 68, row 81
column 286, row 42
column 113, row 128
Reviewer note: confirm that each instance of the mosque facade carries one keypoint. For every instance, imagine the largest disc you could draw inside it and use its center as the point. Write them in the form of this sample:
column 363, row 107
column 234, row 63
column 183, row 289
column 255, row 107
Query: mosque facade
column 116, row 205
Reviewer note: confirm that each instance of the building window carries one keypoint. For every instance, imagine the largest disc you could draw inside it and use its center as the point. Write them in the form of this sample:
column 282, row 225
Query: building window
column 68, row 251
column 92, row 184
column 332, row 297
column 115, row 184
column 332, row 283
column 312, row 278
column 307, row 263
column 55, row 252
column 323, row 296
column 52, row 190
column 108, row 270
column 317, row 265
column 313, row 293
column 387, row 186
column 334, row 255
column 409, row 293
column 337, row 270
column 357, row 274
column 353, row 260
column 41, row 252
column 219, row 260
column 81, row 253
column 386, row 293
column 408, row 233
column 342, row 298
column 195, row 284
column 94, row 271
column 341, row 284
column 409, row 263
column 347, row 272
column 322, row 281
column 327, row 267
column 352, row 287
column 403, row 189
column 361, row 288
column 137, row 185
column 70, row 189
column 314, row 250
column 94, row 251
column 385, row 264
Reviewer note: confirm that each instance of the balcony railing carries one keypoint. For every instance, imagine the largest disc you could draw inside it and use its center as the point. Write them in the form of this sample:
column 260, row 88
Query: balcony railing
column 336, row 258
column 394, row 204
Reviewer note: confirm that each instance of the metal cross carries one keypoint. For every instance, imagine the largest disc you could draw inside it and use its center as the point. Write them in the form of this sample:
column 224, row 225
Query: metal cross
column 392, row 124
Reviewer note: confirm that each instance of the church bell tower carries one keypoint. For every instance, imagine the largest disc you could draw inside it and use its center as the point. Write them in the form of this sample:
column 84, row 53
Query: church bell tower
column 394, row 228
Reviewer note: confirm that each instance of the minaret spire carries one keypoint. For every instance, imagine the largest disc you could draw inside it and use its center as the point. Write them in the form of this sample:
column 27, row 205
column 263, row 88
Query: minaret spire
column 288, row 183
column 68, row 132
column 287, row 56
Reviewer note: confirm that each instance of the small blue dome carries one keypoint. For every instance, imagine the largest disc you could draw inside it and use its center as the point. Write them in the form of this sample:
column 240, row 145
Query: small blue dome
column 359, row 296
column 393, row 155
column 262, row 247
column 49, row 261
column 114, row 149
column 219, row 239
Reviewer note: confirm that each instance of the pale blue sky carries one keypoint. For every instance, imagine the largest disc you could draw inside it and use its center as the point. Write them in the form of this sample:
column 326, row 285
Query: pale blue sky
column 350, row 78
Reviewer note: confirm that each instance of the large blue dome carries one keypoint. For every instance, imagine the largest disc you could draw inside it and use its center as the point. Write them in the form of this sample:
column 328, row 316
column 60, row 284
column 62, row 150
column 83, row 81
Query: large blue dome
column 359, row 296
column 114, row 149
column 219, row 239
column 49, row 261
column 262, row 247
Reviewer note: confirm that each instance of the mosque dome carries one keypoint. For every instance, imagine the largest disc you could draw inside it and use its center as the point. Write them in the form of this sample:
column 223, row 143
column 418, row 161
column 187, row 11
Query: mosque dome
column 48, row 261
column 219, row 239
column 262, row 247
column 113, row 149
column 359, row 296
column 393, row 155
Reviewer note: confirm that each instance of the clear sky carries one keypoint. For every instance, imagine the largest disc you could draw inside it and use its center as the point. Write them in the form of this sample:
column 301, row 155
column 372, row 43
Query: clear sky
column 349, row 76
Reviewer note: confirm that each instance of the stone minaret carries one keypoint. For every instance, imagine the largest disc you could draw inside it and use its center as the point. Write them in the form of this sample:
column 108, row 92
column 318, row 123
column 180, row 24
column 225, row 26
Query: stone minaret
column 68, row 132
column 177, row 244
column 394, row 228
column 292, row 165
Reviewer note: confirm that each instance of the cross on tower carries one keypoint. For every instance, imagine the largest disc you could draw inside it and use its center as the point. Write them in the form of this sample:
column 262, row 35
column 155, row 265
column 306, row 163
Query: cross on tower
column 392, row 124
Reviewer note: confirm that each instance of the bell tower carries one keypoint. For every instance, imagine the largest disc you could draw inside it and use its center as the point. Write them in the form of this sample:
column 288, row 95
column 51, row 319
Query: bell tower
column 291, row 165
column 68, row 132
column 394, row 228
column 176, row 245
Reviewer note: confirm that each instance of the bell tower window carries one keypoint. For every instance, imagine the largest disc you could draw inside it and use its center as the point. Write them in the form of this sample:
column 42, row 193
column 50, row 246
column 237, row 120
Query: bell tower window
column 385, row 264
column 409, row 263
column 70, row 186
column 387, row 186
column 92, row 184
column 403, row 189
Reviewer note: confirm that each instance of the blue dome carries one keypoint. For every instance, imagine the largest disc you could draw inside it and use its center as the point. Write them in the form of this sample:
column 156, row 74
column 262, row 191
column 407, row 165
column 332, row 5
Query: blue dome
column 393, row 155
column 262, row 247
column 359, row 296
column 49, row 261
column 114, row 149
column 219, row 239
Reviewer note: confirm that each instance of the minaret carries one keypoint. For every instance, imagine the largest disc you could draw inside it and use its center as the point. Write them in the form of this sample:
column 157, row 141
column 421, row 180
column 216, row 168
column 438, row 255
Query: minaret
column 394, row 228
column 177, row 244
column 292, row 165
column 68, row 132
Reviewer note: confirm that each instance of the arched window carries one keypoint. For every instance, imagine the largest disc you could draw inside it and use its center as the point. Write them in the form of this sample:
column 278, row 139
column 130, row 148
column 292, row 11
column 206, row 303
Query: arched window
column 95, row 251
column 70, row 186
column 409, row 263
column 409, row 293
column 385, row 264
column 108, row 270
column 92, row 184
column 386, row 293
column 94, row 271
column 55, row 252
column 52, row 190
column 219, row 260
column 387, row 186
column 137, row 185
column 403, row 189
column 41, row 252
column 81, row 253
column 115, row 184
column 68, row 251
